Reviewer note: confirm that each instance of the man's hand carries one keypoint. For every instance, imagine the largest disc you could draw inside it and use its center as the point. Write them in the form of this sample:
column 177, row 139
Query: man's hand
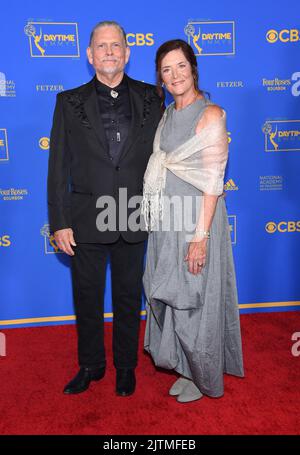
column 64, row 238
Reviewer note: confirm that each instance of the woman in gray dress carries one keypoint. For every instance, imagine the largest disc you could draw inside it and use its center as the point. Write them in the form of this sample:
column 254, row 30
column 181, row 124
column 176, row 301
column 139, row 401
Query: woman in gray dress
column 192, row 311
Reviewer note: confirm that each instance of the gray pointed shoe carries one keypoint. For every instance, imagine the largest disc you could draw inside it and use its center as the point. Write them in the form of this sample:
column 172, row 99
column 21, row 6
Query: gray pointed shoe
column 189, row 393
column 178, row 386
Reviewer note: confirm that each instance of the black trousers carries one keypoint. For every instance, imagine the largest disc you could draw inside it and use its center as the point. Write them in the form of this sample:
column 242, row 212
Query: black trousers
column 88, row 277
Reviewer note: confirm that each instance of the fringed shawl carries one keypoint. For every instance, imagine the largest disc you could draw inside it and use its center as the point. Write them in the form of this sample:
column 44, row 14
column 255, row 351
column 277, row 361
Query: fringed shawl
column 200, row 161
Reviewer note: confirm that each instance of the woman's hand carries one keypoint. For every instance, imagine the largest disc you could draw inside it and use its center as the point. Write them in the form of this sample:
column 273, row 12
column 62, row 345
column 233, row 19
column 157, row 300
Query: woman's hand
column 196, row 255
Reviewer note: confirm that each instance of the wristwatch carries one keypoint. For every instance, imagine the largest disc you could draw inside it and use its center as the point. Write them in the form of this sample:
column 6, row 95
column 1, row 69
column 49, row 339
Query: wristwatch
column 204, row 234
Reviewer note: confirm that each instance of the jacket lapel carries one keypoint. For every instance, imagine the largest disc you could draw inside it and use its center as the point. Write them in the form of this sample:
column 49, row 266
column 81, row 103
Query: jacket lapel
column 136, row 95
column 92, row 111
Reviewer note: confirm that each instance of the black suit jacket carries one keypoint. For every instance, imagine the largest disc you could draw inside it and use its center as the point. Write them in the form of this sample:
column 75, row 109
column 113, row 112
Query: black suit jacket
column 80, row 169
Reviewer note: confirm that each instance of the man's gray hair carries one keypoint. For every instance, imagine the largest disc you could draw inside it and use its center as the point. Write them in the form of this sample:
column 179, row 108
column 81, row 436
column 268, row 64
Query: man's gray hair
column 110, row 24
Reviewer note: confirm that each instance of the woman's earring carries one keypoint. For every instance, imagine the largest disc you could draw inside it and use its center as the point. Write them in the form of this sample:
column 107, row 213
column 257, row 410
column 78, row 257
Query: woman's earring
column 163, row 84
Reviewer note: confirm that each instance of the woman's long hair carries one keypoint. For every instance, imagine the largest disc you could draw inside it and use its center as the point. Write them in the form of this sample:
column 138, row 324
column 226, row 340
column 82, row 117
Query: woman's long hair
column 188, row 52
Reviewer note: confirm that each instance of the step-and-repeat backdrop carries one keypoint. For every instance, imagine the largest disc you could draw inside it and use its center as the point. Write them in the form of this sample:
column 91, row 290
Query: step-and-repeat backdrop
column 249, row 62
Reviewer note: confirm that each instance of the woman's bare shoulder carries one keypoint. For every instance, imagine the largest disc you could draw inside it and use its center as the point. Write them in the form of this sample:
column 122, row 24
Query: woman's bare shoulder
column 212, row 113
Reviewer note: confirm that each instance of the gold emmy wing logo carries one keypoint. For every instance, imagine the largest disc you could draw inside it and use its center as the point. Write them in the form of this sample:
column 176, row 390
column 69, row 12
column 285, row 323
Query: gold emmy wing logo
column 31, row 32
column 269, row 133
column 44, row 143
column 190, row 31
column 49, row 241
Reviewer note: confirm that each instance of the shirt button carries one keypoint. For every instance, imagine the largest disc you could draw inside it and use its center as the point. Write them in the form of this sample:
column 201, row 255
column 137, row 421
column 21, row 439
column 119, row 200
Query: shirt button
column 117, row 168
column 112, row 139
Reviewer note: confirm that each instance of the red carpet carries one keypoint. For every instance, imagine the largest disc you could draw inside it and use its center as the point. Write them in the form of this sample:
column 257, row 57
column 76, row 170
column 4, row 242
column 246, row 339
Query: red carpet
column 41, row 360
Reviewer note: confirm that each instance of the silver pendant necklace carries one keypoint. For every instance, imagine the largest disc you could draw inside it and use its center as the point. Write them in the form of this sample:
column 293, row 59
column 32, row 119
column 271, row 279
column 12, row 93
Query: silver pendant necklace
column 114, row 94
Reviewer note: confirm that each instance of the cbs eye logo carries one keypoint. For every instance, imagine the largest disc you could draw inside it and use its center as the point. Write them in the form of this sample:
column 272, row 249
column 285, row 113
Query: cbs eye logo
column 284, row 35
column 44, row 143
column 5, row 240
column 271, row 227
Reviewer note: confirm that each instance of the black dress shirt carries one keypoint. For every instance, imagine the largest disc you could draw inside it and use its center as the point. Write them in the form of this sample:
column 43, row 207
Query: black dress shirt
column 116, row 116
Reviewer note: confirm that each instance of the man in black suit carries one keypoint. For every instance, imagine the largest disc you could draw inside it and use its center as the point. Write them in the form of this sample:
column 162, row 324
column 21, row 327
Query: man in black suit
column 101, row 141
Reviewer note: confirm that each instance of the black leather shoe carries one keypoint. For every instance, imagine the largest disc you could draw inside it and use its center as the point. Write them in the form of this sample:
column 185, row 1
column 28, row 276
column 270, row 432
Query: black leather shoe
column 82, row 380
column 125, row 382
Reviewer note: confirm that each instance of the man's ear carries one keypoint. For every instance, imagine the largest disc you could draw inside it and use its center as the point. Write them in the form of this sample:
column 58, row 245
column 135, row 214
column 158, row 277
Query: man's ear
column 127, row 54
column 89, row 55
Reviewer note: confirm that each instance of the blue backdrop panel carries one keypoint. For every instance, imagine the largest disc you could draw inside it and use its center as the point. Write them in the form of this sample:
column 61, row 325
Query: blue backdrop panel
column 248, row 61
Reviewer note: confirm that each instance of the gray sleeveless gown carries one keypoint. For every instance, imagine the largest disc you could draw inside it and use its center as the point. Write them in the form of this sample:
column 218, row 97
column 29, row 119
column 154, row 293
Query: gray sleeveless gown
column 192, row 320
